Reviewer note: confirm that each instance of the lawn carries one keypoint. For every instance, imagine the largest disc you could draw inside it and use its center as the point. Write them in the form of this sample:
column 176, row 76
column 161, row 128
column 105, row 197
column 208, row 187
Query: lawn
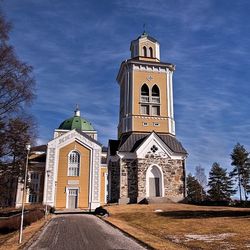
column 181, row 226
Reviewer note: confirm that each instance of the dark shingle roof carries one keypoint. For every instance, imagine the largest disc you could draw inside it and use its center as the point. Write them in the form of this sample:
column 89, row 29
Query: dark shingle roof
column 130, row 142
column 173, row 143
column 40, row 148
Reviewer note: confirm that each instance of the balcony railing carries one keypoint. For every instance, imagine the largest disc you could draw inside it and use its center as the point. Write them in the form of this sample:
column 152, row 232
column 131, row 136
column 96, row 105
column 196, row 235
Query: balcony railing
column 144, row 98
column 153, row 99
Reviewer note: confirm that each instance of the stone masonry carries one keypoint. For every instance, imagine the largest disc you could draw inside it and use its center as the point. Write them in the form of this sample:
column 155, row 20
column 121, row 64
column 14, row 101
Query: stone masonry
column 133, row 177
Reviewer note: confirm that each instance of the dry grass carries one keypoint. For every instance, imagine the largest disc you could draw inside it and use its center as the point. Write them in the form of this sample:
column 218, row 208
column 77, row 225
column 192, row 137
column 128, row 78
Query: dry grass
column 181, row 226
column 10, row 241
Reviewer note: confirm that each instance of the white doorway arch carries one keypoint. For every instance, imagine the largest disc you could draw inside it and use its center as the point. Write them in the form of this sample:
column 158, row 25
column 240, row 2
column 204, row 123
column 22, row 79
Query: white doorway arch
column 154, row 182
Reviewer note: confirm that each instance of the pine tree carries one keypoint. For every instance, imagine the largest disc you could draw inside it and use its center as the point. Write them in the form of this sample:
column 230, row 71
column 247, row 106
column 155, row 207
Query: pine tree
column 195, row 192
column 241, row 170
column 220, row 184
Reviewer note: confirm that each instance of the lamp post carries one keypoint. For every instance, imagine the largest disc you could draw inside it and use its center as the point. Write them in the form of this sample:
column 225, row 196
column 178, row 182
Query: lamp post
column 24, row 191
column 46, row 205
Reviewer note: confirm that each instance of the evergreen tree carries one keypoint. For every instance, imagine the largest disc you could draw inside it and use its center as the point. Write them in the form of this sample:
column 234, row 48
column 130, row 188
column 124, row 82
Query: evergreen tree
column 220, row 184
column 195, row 192
column 241, row 170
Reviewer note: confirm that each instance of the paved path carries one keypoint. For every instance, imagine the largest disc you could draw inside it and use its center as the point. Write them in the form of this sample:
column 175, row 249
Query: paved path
column 73, row 232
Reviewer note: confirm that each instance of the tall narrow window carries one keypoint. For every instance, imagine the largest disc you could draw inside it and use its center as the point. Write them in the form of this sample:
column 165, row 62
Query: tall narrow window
column 145, row 109
column 144, row 93
column 155, row 110
column 144, row 51
column 155, row 94
column 34, row 186
column 150, row 52
column 74, row 164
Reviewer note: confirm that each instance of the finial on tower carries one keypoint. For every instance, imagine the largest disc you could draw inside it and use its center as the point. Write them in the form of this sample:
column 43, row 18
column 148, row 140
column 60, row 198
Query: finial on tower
column 77, row 111
column 144, row 33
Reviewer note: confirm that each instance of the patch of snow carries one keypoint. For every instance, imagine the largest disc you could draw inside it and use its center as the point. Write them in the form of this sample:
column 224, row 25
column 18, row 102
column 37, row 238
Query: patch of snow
column 208, row 237
column 158, row 211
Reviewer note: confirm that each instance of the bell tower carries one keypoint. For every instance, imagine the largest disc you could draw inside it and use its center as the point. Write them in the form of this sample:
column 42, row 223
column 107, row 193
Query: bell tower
column 146, row 90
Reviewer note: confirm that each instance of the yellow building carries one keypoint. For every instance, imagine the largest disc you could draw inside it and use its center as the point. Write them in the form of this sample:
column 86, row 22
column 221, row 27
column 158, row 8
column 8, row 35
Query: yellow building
column 74, row 177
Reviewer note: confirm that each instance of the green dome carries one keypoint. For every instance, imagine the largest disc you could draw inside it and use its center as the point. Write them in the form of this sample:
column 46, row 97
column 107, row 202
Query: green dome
column 76, row 122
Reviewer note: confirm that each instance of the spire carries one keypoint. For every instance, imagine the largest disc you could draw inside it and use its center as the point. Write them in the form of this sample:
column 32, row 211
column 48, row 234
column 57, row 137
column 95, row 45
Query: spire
column 144, row 33
column 77, row 111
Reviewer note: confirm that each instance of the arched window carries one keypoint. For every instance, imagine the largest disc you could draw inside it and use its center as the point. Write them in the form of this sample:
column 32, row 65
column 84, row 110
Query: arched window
column 144, row 93
column 150, row 52
column 74, row 164
column 144, row 51
column 155, row 91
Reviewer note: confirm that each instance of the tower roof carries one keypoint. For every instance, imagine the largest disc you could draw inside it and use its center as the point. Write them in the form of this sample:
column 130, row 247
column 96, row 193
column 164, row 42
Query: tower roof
column 76, row 122
column 144, row 34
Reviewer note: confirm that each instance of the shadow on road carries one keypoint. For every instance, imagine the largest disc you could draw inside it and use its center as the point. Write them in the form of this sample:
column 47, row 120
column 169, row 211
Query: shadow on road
column 183, row 214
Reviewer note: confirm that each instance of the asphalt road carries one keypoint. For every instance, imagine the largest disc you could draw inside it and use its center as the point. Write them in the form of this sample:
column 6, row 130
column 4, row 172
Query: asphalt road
column 73, row 232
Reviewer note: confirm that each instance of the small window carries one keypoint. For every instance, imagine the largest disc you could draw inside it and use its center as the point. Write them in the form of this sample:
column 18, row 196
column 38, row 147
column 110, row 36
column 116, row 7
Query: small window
column 155, row 110
column 151, row 52
column 144, row 51
column 74, row 164
column 156, row 124
column 33, row 198
column 145, row 124
column 145, row 109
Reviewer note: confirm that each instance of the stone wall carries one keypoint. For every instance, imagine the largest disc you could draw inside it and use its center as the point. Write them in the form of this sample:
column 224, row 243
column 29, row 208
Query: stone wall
column 113, row 181
column 133, row 186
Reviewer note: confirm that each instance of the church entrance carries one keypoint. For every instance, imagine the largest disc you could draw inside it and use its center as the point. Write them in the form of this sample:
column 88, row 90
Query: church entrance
column 72, row 198
column 154, row 182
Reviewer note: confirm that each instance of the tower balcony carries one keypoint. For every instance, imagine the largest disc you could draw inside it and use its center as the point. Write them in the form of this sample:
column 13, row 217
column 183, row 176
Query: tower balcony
column 144, row 98
column 153, row 99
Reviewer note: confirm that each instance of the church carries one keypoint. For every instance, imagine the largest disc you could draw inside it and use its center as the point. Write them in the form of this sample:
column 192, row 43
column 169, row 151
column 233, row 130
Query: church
column 146, row 161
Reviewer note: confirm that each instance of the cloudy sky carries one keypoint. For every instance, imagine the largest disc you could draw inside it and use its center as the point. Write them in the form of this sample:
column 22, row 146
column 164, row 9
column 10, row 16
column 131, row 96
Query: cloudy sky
column 76, row 48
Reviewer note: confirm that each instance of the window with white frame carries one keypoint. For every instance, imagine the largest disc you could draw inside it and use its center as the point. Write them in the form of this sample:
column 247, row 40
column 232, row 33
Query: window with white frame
column 150, row 100
column 74, row 164
column 155, row 110
column 145, row 109
column 34, row 186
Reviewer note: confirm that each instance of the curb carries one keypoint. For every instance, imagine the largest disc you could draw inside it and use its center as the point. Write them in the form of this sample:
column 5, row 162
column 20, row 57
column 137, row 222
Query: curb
column 35, row 236
column 140, row 242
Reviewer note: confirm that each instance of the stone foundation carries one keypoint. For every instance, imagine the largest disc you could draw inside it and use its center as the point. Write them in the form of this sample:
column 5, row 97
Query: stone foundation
column 133, row 178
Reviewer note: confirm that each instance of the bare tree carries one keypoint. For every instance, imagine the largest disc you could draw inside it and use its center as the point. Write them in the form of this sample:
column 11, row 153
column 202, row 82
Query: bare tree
column 201, row 176
column 16, row 82
column 240, row 171
column 16, row 90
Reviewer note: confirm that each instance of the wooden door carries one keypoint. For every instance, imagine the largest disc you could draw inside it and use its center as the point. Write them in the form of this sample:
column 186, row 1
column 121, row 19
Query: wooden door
column 154, row 187
column 72, row 198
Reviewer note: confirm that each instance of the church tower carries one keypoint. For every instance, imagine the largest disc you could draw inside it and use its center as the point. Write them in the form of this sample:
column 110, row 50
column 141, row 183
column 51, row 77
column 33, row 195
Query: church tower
column 146, row 93
column 146, row 161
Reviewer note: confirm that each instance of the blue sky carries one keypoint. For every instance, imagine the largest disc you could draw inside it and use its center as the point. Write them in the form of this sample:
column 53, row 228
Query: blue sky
column 76, row 48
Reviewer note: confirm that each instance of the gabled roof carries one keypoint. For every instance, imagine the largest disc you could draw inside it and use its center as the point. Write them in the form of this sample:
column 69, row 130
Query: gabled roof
column 88, row 137
column 40, row 148
column 131, row 141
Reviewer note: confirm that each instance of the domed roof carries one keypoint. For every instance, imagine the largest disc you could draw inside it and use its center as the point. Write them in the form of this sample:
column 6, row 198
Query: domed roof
column 76, row 122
